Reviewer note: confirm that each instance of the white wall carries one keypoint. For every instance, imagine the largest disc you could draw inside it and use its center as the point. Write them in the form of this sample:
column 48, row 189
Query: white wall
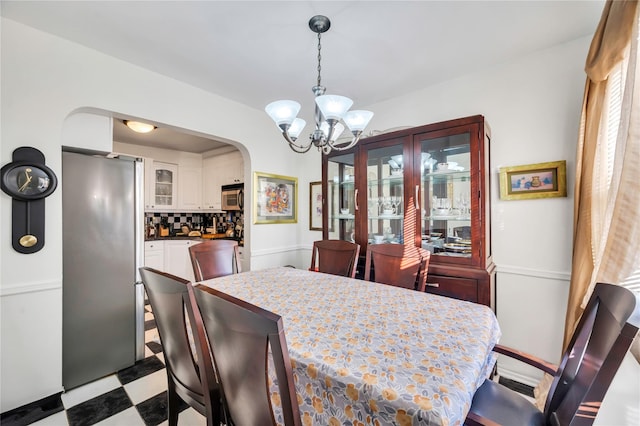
column 45, row 80
column 532, row 104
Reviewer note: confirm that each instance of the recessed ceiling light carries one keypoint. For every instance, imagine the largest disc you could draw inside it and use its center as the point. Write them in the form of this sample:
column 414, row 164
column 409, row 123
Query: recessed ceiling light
column 139, row 127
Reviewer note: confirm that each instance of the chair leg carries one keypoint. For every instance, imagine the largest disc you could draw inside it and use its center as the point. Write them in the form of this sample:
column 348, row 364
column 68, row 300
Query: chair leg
column 173, row 401
column 215, row 417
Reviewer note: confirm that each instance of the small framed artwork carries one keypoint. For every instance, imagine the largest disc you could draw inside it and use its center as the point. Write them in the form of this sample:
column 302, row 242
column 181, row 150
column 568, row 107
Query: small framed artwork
column 315, row 206
column 541, row 180
column 276, row 198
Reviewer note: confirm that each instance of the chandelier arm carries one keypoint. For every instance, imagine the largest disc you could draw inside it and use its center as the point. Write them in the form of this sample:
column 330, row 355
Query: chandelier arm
column 300, row 149
column 332, row 127
column 354, row 141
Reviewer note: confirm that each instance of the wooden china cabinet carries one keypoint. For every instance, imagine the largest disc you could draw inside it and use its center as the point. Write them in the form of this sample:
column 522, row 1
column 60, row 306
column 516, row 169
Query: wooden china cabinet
column 427, row 186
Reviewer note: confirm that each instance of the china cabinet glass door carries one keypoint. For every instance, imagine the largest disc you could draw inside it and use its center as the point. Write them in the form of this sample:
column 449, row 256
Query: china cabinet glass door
column 385, row 194
column 445, row 193
column 341, row 206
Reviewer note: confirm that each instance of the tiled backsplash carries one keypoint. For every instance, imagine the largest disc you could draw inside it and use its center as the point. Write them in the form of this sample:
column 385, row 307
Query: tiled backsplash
column 194, row 220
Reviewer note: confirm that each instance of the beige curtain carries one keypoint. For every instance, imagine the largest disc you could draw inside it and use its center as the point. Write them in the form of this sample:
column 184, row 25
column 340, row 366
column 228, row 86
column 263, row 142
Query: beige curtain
column 598, row 207
column 606, row 232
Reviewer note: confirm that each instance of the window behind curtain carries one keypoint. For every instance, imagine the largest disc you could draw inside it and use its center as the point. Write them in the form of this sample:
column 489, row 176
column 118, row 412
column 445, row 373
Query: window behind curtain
column 612, row 121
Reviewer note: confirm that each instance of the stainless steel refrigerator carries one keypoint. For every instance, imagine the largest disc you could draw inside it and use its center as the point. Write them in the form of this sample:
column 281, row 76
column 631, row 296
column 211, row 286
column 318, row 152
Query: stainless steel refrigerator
column 103, row 246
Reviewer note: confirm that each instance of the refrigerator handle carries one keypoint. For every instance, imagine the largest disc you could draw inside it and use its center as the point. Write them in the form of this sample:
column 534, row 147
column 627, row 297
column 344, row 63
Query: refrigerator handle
column 139, row 217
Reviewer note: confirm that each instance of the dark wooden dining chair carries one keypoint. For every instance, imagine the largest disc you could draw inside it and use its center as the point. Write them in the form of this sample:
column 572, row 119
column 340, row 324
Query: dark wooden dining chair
column 191, row 380
column 214, row 258
column 242, row 336
column 335, row 257
column 398, row 265
column 600, row 341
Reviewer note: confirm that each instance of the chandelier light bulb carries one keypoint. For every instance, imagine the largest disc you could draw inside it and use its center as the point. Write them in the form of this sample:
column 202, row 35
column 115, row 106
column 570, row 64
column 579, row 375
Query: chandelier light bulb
column 296, row 128
column 357, row 120
column 337, row 131
column 333, row 107
column 283, row 112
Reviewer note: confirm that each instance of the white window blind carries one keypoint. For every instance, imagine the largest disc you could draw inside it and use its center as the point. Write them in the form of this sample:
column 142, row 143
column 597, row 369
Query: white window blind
column 615, row 96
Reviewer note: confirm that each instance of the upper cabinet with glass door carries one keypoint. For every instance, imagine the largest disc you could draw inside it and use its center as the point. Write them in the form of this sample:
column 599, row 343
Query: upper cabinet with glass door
column 451, row 179
column 161, row 185
column 445, row 193
column 385, row 193
column 340, row 197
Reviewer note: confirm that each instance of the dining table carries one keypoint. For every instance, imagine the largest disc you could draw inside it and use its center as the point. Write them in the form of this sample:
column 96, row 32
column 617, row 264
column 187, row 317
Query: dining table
column 364, row 353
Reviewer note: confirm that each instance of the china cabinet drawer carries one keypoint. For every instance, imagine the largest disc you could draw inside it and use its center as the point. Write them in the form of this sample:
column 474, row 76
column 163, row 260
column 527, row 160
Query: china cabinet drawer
column 458, row 288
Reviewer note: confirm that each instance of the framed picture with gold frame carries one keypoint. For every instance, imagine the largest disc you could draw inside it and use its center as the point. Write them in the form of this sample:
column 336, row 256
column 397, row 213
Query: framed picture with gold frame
column 315, row 206
column 540, row 180
column 275, row 198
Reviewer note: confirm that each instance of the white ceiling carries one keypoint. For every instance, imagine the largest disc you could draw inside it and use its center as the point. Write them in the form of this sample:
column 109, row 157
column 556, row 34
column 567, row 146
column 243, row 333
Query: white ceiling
column 255, row 52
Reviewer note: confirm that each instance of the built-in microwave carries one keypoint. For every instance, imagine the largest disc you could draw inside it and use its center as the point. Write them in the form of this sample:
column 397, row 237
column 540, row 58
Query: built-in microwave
column 233, row 196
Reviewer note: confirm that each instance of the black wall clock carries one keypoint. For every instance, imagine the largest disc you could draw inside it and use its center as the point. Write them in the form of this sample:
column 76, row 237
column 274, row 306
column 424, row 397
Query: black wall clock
column 28, row 181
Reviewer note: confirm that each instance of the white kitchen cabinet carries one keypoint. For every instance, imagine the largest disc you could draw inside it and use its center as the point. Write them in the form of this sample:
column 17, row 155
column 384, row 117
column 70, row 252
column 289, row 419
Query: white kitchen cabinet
column 176, row 258
column 190, row 188
column 154, row 255
column 224, row 169
column 233, row 170
column 162, row 190
column 211, row 195
column 244, row 260
column 149, row 182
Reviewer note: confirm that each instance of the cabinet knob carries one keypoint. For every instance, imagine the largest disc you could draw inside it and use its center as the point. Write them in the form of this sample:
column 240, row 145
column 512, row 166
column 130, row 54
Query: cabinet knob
column 435, row 285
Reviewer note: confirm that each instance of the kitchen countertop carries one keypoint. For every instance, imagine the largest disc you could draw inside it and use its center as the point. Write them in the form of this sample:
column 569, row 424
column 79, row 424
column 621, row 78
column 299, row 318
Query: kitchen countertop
column 201, row 238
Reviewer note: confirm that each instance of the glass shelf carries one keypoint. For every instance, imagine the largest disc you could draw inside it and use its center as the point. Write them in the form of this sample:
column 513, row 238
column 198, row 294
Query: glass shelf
column 449, row 217
column 344, row 217
column 448, row 176
column 386, row 216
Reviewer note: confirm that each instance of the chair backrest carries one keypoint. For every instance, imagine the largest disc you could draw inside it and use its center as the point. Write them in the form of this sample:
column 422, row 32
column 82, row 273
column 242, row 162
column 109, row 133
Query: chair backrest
column 241, row 337
column 214, row 258
column 194, row 380
column 398, row 265
column 601, row 339
column 335, row 257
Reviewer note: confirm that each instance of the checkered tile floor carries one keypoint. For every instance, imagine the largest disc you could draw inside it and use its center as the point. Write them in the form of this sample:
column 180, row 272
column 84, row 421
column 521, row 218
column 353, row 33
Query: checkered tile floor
column 131, row 397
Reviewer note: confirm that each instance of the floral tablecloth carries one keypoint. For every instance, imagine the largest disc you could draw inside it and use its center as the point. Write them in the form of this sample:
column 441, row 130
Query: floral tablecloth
column 372, row 354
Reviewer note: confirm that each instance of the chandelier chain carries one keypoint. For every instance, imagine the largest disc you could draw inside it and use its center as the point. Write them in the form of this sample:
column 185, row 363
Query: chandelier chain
column 319, row 59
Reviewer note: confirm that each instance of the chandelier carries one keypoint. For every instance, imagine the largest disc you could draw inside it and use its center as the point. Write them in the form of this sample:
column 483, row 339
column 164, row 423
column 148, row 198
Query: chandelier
column 331, row 111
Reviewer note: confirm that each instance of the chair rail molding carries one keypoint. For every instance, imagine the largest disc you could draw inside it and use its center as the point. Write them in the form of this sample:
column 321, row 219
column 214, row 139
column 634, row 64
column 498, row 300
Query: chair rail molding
column 29, row 287
column 536, row 273
column 277, row 250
